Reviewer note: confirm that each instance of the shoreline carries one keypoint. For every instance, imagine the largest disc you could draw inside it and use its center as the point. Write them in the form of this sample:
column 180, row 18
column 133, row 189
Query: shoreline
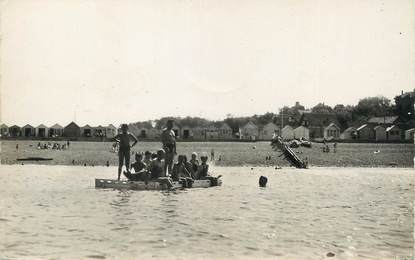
column 218, row 166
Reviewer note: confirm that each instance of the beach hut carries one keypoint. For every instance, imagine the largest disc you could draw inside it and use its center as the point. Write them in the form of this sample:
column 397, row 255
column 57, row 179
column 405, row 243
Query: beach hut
column 15, row 131
column 365, row 132
column 301, row 132
column 143, row 132
column 72, row 130
column 349, row 134
column 250, row 131
column 4, row 130
column 98, row 131
column 269, row 130
column 176, row 130
column 287, row 133
column 317, row 123
column 132, row 129
column 153, row 133
column 332, row 131
column 86, row 131
column 28, row 131
column 380, row 133
column 199, row 133
column 225, row 132
column 110, row 131
column 55, row 130
column 212, row 132
column 186, row 132
column 393, row 133
column 42, row 131
column 409, row 134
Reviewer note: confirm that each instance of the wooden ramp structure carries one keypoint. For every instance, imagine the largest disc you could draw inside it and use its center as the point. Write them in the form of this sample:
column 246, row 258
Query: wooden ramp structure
column 278, row 144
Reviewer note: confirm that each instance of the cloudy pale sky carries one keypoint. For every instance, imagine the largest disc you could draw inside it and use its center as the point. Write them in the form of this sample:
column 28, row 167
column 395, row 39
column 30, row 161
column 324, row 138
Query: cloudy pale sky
column 119, row 61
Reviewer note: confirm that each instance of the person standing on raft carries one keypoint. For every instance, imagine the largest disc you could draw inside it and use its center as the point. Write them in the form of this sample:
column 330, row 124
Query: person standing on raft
column 124, row 148
column 168, row 139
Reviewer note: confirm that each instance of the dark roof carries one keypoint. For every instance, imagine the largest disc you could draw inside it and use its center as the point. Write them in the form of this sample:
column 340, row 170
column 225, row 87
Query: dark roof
column 319, row 119
column 383, row 120
column 72, row 124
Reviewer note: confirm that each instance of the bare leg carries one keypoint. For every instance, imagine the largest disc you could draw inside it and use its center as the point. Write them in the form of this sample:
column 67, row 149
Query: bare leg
column 120, row 163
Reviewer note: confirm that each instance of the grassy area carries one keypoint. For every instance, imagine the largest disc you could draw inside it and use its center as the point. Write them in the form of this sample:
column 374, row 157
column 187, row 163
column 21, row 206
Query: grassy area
column 232, row 153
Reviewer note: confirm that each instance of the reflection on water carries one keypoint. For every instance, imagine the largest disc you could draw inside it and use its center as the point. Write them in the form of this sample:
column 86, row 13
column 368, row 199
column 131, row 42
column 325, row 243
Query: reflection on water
column 55, row 212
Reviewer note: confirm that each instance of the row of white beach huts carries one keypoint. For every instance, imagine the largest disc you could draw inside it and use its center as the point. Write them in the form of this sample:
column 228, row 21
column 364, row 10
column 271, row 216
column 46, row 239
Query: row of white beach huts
column 249, row 131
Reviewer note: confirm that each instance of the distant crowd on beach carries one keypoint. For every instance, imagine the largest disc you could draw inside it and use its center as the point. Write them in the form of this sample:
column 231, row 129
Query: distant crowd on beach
column 53, row 146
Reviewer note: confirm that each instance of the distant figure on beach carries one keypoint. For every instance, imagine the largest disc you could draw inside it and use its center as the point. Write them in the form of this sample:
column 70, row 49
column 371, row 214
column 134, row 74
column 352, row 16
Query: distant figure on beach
column 168, row 139
column 212, row 155
column 334, row 147
column 17, row 147
column 124, row 143
column 68, row 143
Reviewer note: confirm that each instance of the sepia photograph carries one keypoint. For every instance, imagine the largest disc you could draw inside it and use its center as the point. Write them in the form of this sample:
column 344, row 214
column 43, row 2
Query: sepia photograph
column 207, row 129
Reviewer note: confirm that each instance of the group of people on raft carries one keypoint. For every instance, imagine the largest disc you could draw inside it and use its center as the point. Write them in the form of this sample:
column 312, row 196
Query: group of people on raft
column 159, row 166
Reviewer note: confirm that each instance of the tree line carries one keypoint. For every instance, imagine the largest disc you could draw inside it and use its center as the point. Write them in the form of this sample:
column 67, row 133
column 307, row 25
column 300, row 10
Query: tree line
column 378, row 106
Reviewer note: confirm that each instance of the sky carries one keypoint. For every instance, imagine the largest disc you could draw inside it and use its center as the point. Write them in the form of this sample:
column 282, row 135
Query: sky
column 101, row 62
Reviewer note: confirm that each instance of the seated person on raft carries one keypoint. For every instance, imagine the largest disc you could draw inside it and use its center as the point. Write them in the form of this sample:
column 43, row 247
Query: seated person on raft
column 203, row 168
column 156, row 169
column 140, row 170
column 194, row 163
column 181, row 173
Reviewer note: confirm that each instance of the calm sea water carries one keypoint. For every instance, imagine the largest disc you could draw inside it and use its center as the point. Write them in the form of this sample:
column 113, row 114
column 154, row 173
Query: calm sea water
column 54, row 212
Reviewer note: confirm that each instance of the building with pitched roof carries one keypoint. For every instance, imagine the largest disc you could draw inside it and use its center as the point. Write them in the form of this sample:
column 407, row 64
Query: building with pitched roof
column 42, row 131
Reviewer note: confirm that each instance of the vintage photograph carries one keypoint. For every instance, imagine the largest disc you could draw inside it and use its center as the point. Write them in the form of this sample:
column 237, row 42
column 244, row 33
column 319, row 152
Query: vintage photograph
column 207, row 129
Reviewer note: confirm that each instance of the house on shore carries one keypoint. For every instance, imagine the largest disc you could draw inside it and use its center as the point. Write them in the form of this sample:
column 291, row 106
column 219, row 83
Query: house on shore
column 409, row 134
column 4, row 130
column 72, row 130
column 55, row 130
column 320, row 123
column 268, row 131
column 98, row 131
column 393, row 133
column 380, row 133
column 110, row 131
column 349, row 134
column 225, row 132
column 287, row 133
column 132, row 128
column 86, row 131
column 332, row 131
column 186, row 132
column 301, row 132
column 212, row 133
column 199, row 133
column 250, row 131
column 365, row 132
column 42, row 131
column 15, row 131
column 28, row 131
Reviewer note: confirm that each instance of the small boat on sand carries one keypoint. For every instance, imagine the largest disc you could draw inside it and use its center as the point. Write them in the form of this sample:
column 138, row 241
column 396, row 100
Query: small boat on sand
column 154, row 185
column 34, row 159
